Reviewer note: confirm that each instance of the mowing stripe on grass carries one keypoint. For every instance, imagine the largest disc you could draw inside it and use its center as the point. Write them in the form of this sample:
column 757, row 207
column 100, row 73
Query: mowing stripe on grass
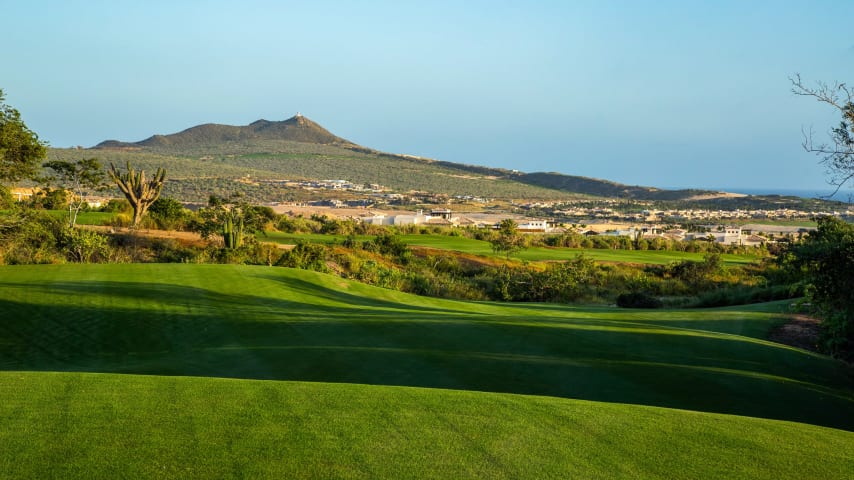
column 283, row 324
column 90, row 426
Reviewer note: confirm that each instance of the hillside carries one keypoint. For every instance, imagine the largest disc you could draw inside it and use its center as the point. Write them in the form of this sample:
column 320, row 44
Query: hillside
column 605, row 188
column 212, row 371
column 302, row 140
column 225, row 159
column 295, row 129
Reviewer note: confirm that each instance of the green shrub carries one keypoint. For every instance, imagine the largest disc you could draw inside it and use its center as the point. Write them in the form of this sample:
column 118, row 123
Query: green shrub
column 85, row 246
column 169, row 214
column 306, row 256
column 29, row 236
column 638, row 300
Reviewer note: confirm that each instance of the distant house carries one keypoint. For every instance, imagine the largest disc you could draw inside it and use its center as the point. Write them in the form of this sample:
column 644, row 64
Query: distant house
column 442, row 217
column 534, row 226
column 726, row 236
column 441, row 213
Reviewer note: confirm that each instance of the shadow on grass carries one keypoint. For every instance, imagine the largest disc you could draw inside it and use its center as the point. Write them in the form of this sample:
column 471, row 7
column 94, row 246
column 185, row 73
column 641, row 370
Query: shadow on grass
column 180, row 330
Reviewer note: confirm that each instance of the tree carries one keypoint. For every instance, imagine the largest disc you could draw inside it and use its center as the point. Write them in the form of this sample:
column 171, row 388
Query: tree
column 825, row 258
column 837, row 156
column 20, row 148
column 141, row 193
column 79, row 178
column 168, row 213
column 509, row 240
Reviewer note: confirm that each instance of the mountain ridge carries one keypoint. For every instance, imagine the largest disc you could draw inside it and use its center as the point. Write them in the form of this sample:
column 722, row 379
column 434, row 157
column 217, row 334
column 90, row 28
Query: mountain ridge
column 300, row 130
column 296, row 129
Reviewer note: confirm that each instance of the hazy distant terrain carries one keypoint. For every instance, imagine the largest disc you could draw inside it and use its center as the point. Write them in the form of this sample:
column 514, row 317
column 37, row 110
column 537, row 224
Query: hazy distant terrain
column 298, row 148
column 252, row 160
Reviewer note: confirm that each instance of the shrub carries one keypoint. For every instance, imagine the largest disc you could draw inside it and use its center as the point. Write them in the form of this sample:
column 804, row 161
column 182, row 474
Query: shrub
column 638, row 300
column 168, row 213
column 29, row 236
column 117, row 206
column 305, row 256
column 85, row 246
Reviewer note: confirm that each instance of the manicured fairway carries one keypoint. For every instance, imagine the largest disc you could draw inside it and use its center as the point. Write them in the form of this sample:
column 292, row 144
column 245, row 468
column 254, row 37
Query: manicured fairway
column 603, row 369
column 483, row 248
column 90, row 426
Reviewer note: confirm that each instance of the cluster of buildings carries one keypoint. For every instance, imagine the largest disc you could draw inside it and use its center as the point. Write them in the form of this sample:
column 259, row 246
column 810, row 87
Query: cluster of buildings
column 680, row 215
column 437, row 216
column 341, row 185
column 445, row 217
column 725, row 235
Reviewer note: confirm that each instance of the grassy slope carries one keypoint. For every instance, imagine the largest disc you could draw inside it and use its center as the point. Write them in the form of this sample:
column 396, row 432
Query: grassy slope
column 293, row 160
column 274, row 323
column 480, row 247
column 281, row 324
column 126, row 426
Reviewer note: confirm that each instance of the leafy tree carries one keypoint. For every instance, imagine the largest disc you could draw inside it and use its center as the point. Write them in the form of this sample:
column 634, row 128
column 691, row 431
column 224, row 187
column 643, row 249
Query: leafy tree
column 509, row 240
column 695, row 273
column 50, row 199
column 837, row 156
column 826, row 259
column 826, row 256
column 141, row 193
column 168, row 213
column 20, row 148
column 79, row 178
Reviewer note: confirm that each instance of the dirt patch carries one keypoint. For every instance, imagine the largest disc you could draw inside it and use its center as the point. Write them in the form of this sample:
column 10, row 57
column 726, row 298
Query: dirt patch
column 466, row 259
column 801, row 331
column 185, row 238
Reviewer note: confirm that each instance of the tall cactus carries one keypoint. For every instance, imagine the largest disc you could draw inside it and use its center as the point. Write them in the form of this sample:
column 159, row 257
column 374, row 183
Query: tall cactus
column 139, row 192
column 232, row 229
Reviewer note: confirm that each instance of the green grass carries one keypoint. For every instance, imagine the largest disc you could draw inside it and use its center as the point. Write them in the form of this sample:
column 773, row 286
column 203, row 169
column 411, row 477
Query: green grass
column 86, row 218
column 483, row 248
column 607, row 373
column 127, row 426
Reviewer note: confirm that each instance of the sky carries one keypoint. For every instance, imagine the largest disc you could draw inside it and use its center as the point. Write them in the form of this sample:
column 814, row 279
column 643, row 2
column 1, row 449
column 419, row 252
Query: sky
column 660, row 93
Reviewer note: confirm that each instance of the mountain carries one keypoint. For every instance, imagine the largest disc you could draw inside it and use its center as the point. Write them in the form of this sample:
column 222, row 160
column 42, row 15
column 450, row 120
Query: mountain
column 606, row 188
column 295, row 129
column 300, row 148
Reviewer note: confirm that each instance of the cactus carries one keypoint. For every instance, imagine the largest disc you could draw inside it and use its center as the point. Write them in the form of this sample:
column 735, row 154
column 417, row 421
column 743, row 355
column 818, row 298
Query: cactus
column 232, row 229
column 139, row 192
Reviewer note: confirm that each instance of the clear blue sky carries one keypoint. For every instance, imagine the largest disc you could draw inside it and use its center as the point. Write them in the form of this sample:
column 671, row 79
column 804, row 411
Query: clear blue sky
column 662, row 93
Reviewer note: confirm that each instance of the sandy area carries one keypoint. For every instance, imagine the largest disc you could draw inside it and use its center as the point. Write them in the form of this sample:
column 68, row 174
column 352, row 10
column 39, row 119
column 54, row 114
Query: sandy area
column 712, row 196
